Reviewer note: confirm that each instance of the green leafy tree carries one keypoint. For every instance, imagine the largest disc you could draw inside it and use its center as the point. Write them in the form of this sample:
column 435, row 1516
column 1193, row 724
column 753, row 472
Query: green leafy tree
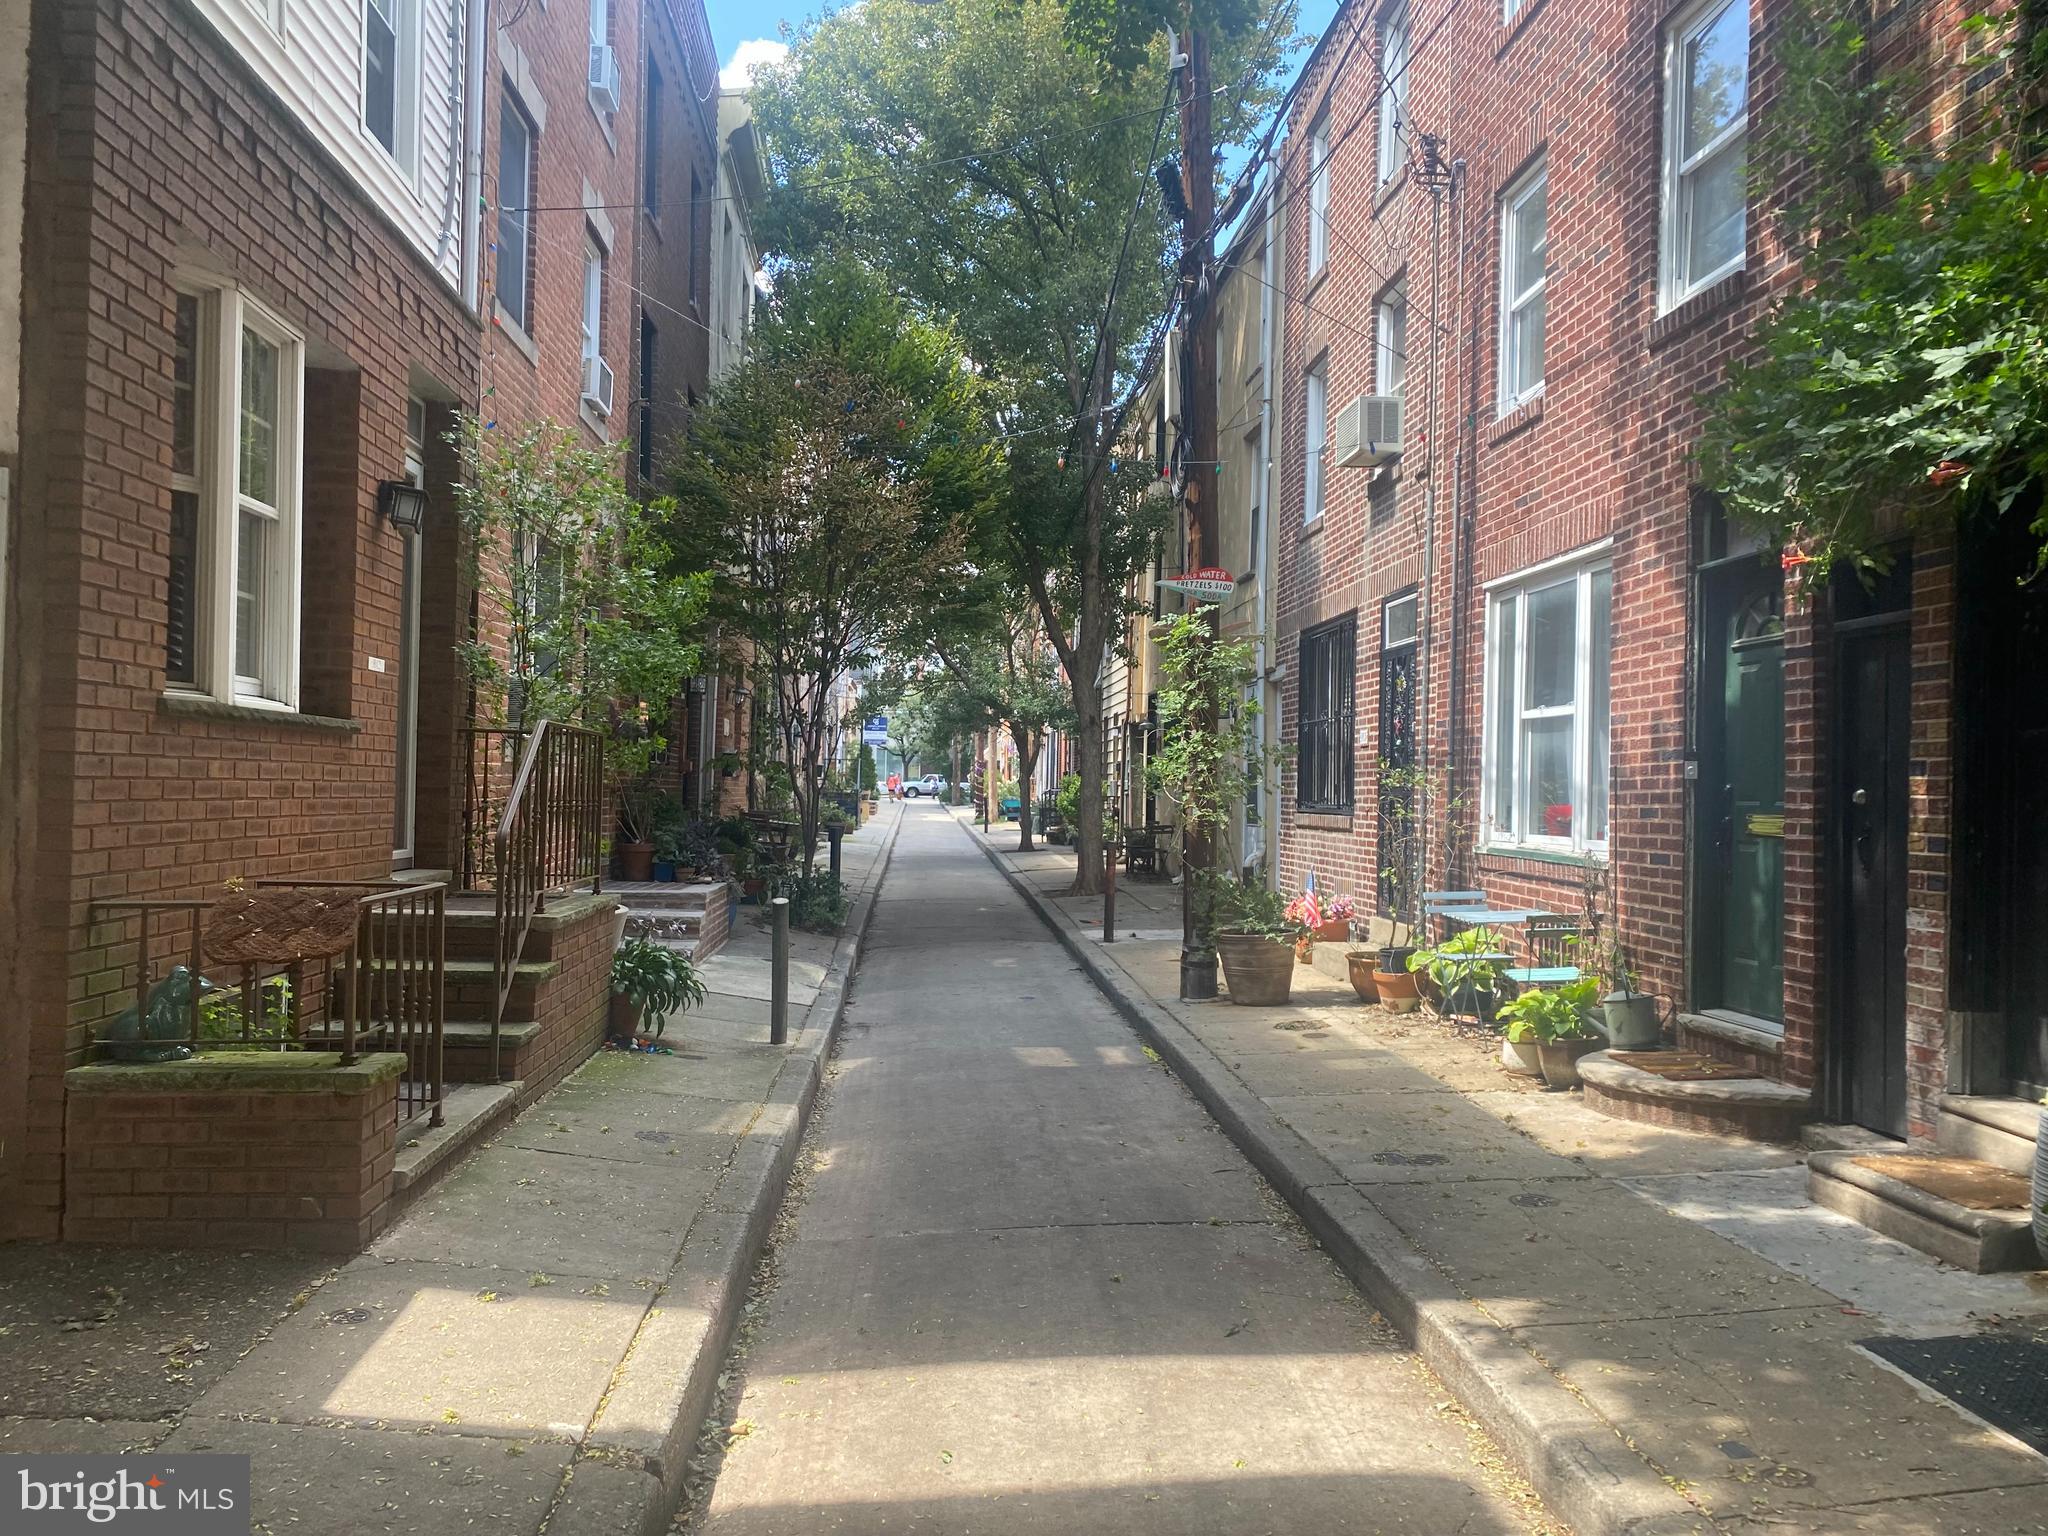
column 833, row 483
column 1003, row 674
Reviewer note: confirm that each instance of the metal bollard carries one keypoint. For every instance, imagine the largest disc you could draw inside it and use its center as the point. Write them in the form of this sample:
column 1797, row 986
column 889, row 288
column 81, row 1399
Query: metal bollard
column 1108, row 891
column 778, row 1007
column 832, row 836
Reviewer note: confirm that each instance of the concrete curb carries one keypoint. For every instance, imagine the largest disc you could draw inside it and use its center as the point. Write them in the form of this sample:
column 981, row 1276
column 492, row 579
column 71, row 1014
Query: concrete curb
column 1578, row 1461
column 636, row 1455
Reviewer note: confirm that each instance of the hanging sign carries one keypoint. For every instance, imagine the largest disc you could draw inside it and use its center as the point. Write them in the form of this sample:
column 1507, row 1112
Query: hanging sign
column 1212, row 584
column 874, row 732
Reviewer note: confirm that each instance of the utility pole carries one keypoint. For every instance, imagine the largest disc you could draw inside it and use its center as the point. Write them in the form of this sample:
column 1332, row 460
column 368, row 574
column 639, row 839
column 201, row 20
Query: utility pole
column 1198, row 428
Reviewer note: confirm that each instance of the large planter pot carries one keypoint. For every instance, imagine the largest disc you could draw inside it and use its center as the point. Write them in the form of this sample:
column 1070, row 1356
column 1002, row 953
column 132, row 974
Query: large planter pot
column 1335, row 931
column 665, row 872
column 620, row 916
column 623, row 1022
column 2041, row 1188
column 1359, row 962
column 1394, row 957
column 1520, row 1057
column 1397, row 990
column 636, row 861
column 1560, row 1059
column 1631, row 1019
column 1259, row 971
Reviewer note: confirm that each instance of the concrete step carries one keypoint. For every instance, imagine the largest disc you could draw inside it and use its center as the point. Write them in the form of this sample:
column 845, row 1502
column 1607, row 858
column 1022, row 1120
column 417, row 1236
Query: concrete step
column 470, row 1112
column 1754, row 1107
column 1999, row 1131
column 1967, row 1213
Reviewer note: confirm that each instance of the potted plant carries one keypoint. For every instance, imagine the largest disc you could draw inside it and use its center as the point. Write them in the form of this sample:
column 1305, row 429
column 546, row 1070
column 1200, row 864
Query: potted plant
column 1254, row 934
column 1392, row 981
column 1547, row 1030
column 1360, row 964
column 1630, row 1014
column 640, row 805
column 649, row 982
column 1465, row 979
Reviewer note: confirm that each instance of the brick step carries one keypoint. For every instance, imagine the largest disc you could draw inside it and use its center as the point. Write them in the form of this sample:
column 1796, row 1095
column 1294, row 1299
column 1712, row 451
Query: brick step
column 1999, row 1131
column 1959, row 1210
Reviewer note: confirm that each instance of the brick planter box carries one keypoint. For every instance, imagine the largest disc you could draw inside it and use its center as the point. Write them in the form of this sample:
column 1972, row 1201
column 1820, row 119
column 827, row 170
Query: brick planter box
column 231, row 1149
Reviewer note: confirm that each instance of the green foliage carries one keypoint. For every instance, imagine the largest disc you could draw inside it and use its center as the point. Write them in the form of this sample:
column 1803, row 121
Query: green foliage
column 1209, row 749
column 1908, row 383
column 867, row 769
column 1067, row 798
column 221, row 1015
column 817, row 902
column 658, row 980
column 1553, row 1013
column 1451, row 963
column 583, row 616
column 1246, row 906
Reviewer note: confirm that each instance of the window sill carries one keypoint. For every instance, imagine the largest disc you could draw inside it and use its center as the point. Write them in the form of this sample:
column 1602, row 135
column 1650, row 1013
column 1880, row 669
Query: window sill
column 1758, row 1035
column 1385, row 192
column 1508, row 857
column 1322, row 821
column 197, row 706
column 514, row 332
column 1311, row 528
column 1709, row 301
column 596, row 424
column 604, row 126
column 1527, row 414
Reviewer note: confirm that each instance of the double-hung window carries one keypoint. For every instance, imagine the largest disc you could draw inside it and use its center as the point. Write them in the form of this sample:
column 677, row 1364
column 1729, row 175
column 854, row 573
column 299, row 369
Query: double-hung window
column 1548, row 642
column 515, row 213
column 1390, row 340
column 1524, row 255
column 1393, row 114
column 1319, row 196
column 1706, row 121
column 1325, row 728
column 1315, row 425
column 391, row 75
column 232, row 595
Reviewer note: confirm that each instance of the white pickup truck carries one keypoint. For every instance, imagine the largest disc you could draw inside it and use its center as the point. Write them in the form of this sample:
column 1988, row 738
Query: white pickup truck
column 933, row 784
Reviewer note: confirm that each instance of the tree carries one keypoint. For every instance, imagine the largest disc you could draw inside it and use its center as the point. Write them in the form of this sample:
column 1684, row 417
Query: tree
column 1004, row 674
column 833, row 482
column 994, row 157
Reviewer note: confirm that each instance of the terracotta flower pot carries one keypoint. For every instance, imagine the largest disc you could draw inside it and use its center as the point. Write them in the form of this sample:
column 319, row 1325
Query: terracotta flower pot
column 623, row 1021
column 636, row 861
column 1305, row 949
column 1360, row 964
column 1560, row 1059
column 1258, row 971
column 1397, row 990
column 1335, row 930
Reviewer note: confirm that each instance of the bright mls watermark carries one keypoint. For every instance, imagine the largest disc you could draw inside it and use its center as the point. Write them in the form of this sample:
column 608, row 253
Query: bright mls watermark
column 162, row 1495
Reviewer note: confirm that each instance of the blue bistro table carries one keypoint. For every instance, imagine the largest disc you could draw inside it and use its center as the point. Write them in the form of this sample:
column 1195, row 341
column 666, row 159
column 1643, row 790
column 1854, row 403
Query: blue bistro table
column 1511, row 917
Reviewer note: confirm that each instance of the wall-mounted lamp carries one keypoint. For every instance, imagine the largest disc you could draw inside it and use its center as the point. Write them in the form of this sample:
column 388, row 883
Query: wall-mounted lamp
column 404, row 503
column 742, row 693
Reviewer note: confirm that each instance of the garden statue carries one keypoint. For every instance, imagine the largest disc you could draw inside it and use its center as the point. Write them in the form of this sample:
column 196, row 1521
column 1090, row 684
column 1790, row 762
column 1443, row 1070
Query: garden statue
column 165, row 1029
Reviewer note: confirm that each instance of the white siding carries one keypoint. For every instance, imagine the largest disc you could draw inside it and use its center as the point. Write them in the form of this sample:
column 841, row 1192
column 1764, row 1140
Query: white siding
column 314, row 61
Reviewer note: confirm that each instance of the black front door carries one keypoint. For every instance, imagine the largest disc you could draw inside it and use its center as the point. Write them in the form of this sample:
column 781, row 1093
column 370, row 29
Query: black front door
column 1869, row 846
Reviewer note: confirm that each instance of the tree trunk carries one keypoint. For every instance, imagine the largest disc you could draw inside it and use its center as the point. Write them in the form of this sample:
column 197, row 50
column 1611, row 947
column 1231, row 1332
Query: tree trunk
column 1028, row 744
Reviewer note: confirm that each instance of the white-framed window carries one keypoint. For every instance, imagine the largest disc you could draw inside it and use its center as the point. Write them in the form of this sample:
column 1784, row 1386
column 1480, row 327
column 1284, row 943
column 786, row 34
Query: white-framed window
column 1393, row 112
column 1706, row 122
column 1390, row 340
column 1254, row 511
column 600, row 23
column 1315, row 422
column 1319, row 196
column 391, row 78
column 1400, row 620
column 593, row 300
column 232, row 594
column 1524, row 256
column 1545, row 762
column 515, row 212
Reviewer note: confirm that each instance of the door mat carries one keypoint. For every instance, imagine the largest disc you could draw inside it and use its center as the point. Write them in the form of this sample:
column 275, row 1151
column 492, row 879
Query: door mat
column 2000, row 1378
column 1974, row 1185
column 1679, row 1066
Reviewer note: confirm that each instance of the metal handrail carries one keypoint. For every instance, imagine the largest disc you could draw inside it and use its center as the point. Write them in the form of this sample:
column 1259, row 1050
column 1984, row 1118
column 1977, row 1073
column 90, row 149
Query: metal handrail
column 550, row 837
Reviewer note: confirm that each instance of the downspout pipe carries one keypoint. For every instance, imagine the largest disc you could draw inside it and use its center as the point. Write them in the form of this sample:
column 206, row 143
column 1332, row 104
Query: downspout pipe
column 477, row 17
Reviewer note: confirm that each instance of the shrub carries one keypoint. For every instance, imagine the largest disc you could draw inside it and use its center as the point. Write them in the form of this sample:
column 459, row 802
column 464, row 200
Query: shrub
column 657, row 979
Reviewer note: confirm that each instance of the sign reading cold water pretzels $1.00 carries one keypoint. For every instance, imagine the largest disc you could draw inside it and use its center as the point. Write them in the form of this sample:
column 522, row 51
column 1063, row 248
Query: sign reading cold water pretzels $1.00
column 1211, row 584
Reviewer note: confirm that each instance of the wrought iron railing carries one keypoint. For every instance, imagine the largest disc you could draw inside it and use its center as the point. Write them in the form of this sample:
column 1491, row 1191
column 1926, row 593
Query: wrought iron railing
column 385, row 990
column 549, row 836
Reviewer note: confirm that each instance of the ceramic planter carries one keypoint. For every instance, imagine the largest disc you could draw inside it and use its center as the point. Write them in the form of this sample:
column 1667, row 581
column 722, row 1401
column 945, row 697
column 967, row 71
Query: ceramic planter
column 623, row 1022
column 1359, row 962
column 1631, row 1019
column 1394, row 957
column 1520, row 1057
column 665, row 872
column 636, row 861
column 1560, row 1059
column 1336, row 930
column 1397, row 990
column 1259, row 971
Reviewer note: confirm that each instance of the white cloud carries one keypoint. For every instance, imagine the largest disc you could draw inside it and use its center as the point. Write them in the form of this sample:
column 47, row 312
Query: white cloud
column 749, row 56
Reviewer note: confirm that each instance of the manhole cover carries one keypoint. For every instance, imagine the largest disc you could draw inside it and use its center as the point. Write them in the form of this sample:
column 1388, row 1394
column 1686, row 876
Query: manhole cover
column 350, row 1315
column 2002, row 1379
column 1532, row 1200
column 1410, row 1159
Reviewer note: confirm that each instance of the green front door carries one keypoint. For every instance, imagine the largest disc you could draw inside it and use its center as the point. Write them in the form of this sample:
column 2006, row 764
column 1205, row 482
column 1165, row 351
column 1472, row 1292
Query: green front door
column 1742, row 793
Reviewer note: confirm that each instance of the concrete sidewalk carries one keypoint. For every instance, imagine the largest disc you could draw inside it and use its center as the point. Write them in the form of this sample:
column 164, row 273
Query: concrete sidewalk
column 1658, row 1327
column 533, row 1347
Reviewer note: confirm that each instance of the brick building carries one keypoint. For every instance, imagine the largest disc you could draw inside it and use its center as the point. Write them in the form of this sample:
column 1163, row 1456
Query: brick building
column 1534, row 632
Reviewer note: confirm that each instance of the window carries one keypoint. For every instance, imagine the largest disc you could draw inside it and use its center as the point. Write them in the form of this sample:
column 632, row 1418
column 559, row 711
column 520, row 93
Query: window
column 1400, row 620
column 391, row 73
column 593, row 302
column 1546, row 757
column 1315, row 433
column 600, row 23
column 650, row 145
column 515, row 214
column 1393, row 126
column 231, row 597
column 1324, row 742
column 1254, row 517
column 1706, row 118
column 1319, row 197
column 1390, row 340
column 1524, row 251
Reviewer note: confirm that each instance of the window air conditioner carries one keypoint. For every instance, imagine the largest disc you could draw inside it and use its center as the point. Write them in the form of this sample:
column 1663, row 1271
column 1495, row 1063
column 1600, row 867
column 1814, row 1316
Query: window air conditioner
column 597, row 385
column 1369, row 432
column 604, row 77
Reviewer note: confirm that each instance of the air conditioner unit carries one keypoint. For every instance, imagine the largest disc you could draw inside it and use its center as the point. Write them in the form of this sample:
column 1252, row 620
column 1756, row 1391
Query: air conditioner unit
column 597, row 385
column 1369, row 432
column 604, row 77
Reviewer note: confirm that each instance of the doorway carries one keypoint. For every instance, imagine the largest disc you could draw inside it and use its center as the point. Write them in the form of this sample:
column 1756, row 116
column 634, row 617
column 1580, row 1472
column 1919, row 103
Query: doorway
column 405, row 798
column 1739, row 948
column 1867, row 847
column 1399, row 674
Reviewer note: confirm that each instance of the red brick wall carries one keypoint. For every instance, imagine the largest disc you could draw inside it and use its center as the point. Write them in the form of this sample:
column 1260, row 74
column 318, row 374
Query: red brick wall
column 572, row 1005
column 240, row 1169
column 158, row 148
